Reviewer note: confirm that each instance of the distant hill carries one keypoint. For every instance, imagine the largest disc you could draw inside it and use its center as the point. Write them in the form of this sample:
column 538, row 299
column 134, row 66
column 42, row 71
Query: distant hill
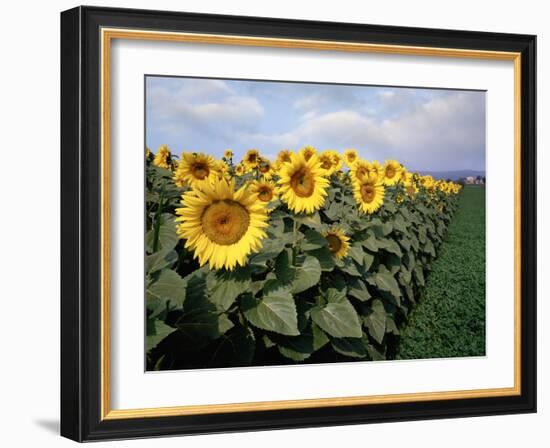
column 453, row 175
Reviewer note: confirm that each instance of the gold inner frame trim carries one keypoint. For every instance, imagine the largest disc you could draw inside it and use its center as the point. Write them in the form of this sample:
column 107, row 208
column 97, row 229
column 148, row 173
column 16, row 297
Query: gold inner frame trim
column 107, row 35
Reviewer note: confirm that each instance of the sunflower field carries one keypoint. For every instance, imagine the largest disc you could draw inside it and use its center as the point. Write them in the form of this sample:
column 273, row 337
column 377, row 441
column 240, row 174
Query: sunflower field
column 313, row 257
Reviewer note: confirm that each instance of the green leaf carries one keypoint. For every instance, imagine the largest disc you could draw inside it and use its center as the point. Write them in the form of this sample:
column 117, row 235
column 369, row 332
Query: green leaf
column 357, row 254
column 225, row 286
column 159, row 331
column 338, row 319
column 320, row 339
column 367, row 261
column 201, row 324
column 170, row 286
column 275, row 311
column 352, row 347
column 308, row 274
column 358, row 289
column 376, row 321
column 160, row 260
column 167, row 235
column 284, row 270
column 297, row 348
column 325, row 257
column 349, row 267
column 370, row 244
column 313, row 240
column 386, row 282
column 334, row 295
column 269, row 251
column 235, row 348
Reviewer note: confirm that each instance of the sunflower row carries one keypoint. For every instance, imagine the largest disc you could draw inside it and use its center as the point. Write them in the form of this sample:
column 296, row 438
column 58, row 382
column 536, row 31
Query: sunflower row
column 225, row 205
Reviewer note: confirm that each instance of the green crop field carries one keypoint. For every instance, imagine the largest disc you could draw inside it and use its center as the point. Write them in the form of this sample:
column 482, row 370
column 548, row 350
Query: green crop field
column 449, row 321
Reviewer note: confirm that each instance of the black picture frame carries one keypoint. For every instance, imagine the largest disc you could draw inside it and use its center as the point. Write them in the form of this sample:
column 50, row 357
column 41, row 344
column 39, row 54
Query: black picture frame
column 81, row 224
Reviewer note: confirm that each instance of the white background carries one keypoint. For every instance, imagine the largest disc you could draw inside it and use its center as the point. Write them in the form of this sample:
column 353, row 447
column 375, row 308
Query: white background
column 133, row 388
column 30, row 226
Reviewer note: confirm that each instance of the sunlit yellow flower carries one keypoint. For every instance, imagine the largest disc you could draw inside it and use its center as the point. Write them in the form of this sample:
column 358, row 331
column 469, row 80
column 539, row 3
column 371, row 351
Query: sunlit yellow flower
column 337, row 160
column 303, row 185
column 326, row 160
column 369, row 194
column 284, row 156
column 307, row 152
column 375, row 169
column 195, row 169
column 251, row 158
column 240, row 169
column 350, row 157
column 220, row 225
column 266, row 190
column 392, row 172
column 163, row 158
column 359, row 170
column 338, row 242
column 427, row 182
column 265, row 168
column 228, row 154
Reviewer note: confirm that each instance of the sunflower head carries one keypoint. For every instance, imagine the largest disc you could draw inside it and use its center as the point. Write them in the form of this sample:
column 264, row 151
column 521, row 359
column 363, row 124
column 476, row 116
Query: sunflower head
column 392, row 172
column 284, row 156
column 369, row 194
column 350, row 157
column 163, row 157
column 266, row 190
column 338, row 242
column 149, row 156
column 303, row 185
column 240, row 170
column 220, row 225
column 251, row 158
column 195, row 169
column 265, row 168
column 228, row 154
column 307, row 152
column 359, row 170
column 326, row 161
column 337, row 160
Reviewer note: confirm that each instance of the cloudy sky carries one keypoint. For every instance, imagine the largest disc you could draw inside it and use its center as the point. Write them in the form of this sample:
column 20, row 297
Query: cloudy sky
column 426, row 129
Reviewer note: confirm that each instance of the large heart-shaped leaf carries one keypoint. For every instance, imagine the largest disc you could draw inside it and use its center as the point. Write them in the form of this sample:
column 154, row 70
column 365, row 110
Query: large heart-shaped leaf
column 275, row 311
column 338, row 319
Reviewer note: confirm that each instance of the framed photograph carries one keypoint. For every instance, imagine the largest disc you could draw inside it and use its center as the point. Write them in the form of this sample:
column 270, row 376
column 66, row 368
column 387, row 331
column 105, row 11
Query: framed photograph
column 275, row 223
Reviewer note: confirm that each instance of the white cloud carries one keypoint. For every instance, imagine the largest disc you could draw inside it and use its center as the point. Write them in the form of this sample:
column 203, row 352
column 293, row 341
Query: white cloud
column 204, row 104
column 447, row 132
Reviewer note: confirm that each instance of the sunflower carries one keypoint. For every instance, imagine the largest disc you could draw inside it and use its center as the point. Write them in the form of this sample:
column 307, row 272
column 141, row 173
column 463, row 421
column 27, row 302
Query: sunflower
column 307, row 152
column 222, row 226
column 326, row 161
column 337, row 242
column 266, row 190
column 149, row 156
column 350, row 157
column 228, row 154
column 376, row 169
column 251, row 158
column 240, row 170
column 369, row 194
column 284, row 156
column 163, row 158
column 195, row 169
column 303, row 185
column 360, row 170
column 222, row 168
column 392, row 172
column 411, row 189
column 337, row 161
column 265, row 167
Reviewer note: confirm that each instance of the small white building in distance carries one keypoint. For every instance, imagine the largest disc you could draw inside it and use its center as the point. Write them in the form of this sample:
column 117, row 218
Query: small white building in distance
column 471, row 180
